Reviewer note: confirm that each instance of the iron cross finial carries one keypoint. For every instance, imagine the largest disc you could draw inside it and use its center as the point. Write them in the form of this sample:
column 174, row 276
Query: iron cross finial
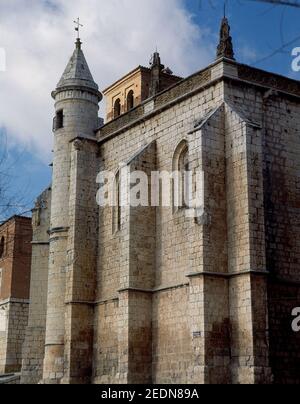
column 77, row 27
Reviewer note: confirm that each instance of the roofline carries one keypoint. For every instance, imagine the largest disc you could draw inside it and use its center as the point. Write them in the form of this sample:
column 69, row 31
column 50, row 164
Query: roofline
column 139, row 68
column 281, row 76
column 14, row 217
column 214, row 63
column 211, row 65
column 158, row 94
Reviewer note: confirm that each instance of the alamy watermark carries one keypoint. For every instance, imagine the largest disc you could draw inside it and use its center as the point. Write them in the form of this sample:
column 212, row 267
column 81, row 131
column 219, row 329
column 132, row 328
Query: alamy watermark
column 296, row 321
column 177, row 190
column 296, row 60
column 2, row 60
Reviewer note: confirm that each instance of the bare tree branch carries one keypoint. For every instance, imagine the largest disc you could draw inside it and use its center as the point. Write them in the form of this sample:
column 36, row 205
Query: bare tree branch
column 12, row 201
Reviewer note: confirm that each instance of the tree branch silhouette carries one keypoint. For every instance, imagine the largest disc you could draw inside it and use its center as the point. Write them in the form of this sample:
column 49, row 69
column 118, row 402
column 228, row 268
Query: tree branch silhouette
column 12, row 200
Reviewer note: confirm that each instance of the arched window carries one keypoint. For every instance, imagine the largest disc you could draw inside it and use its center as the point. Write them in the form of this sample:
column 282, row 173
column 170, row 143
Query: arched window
column 181, row 183
column 130, row 100
column 117, row 108
column 116, row 212
column 2, row 245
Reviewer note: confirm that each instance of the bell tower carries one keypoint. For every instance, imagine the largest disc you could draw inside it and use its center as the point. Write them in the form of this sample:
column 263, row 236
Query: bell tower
column 76, row 116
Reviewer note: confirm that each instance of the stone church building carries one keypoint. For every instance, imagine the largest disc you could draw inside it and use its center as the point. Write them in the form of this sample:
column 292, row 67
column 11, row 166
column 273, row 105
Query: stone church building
column 150, row 294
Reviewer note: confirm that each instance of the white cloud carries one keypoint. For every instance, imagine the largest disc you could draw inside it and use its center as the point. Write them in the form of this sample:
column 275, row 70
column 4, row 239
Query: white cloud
column 118, row 35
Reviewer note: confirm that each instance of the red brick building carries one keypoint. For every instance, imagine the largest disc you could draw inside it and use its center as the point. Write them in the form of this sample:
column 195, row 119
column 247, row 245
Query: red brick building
column 15, row 265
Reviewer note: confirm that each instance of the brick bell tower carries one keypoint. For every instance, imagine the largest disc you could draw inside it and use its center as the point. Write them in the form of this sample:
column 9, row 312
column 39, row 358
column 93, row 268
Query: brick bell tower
column 71, row 281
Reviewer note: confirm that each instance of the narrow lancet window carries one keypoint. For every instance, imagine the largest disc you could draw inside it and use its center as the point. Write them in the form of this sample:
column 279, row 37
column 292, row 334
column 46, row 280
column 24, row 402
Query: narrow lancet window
column 181, row 184
column 117, row 204
column 130, row 100
column 117, row 108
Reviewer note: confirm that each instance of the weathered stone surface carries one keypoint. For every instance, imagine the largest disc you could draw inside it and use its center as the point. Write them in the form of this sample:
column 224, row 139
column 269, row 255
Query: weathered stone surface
column 162, row 297
column 34, row 344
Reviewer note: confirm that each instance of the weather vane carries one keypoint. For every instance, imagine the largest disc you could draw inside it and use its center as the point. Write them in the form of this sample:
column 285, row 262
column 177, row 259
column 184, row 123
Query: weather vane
column 77, row 27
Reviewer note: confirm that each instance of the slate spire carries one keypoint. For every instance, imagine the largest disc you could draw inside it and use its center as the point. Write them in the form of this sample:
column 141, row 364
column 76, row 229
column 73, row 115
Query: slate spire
column 77, row 72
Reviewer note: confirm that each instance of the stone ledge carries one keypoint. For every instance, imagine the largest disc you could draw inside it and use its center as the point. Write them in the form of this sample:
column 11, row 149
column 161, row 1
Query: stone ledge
column 156, row 290
column 227, row 275
column 40, row 243
column 12, row 300
column 10, row 378
column 56, row 230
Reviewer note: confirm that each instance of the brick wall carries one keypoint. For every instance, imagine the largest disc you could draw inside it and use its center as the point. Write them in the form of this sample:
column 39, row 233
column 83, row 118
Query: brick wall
column 14, row 291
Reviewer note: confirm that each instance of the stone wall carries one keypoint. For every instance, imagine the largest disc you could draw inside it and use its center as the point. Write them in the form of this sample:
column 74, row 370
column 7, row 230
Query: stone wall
column 80, row 271
column 282, row 211
column 4, row 311
column 34, row 344
column 17, row 323
column 173, row 359
column 172, row 349
column 227, row 260
column 277, row 115
column 13, row 334
column 80, row 109
column 164, row 297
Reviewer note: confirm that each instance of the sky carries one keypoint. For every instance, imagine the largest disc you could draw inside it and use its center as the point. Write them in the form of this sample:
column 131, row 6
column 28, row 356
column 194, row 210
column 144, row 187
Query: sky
column 37, row 38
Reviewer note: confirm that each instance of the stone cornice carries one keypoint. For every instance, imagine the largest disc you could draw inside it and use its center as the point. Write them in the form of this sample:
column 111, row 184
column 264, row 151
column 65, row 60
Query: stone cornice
column 58, row 230
column 40, row 243
column 221, row 70
column 267, row 79
column 76, row 88
column 14, row 301
column 227, row 275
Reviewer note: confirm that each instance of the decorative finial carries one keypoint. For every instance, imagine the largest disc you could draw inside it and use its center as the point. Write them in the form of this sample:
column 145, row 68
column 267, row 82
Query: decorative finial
column 225, row 47
column 155, row 60
column 77, row 27
column 78, row 43
column 156, row 69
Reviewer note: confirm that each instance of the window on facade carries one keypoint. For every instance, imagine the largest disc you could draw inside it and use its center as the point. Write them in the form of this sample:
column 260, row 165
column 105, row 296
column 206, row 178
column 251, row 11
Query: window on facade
column 117, row 204
column 130, row 100
column 2, row 246
column 181, row 188
column 184, row 172
column 59, row 120
column 117, row 108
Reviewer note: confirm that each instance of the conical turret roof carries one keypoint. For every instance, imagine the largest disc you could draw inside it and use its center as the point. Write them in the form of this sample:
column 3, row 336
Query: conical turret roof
column 77, row 72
